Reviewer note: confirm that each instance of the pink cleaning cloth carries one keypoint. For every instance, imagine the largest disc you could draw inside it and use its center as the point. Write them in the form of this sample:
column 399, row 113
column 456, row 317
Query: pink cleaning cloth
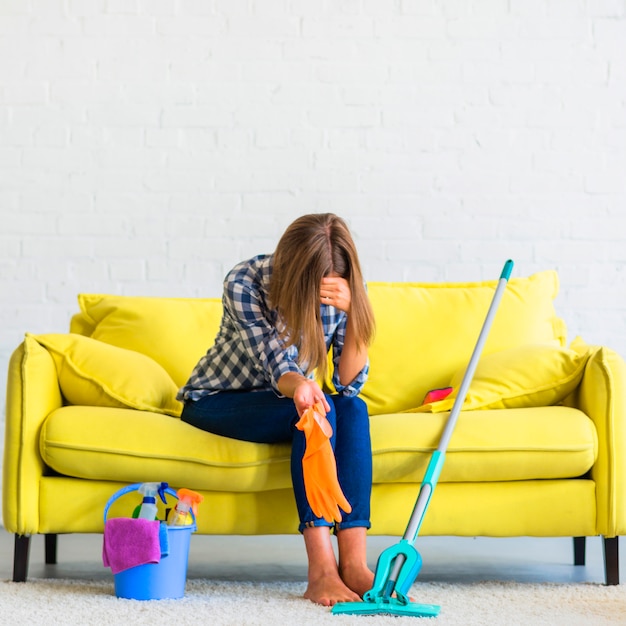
column 129, row 542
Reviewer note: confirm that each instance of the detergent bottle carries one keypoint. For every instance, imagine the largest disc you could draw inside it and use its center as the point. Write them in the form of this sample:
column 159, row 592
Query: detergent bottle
column 187, row 499
column 148, row 508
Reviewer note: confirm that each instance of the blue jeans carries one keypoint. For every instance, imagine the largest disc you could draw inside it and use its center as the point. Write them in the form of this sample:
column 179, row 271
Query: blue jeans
column 263, row 417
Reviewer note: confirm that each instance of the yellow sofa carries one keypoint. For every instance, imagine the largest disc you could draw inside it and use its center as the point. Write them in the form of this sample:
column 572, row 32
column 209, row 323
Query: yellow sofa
column 538, row 449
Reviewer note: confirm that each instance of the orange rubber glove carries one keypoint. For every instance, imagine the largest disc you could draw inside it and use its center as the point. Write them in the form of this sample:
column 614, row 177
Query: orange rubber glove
column 319, row 466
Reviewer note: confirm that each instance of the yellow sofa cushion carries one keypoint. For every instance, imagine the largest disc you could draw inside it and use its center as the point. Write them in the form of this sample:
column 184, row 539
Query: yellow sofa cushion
column 94, row 373
column 538, row 443
column 525, row 376
column 426, row 332
column 419, row 341
column 136, row 446
column 175, row 332
column 123, row 445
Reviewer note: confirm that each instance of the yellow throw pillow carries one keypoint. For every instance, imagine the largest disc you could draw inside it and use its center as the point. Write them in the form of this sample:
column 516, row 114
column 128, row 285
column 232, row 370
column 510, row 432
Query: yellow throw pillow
column 175, row 332
column 526, row 376
column 94, row 373
column 424, row 332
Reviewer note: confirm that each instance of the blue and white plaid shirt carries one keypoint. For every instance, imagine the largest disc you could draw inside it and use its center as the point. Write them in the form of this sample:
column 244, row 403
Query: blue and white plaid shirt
column 248, row 352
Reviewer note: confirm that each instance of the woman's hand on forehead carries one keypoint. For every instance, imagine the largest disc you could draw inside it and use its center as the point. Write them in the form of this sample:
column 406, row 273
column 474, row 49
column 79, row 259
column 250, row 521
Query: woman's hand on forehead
column 335, row 291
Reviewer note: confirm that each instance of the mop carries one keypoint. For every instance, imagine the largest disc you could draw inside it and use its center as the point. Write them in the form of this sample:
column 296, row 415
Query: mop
column 399, row 565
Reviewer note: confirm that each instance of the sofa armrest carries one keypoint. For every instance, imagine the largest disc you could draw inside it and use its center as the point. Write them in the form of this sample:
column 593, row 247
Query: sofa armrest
column 32, row 394
column 602, row 396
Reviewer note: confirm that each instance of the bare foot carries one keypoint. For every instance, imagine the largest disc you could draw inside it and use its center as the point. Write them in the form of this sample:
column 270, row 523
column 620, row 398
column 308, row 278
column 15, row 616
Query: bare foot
column 329, row 589
column 359, row 578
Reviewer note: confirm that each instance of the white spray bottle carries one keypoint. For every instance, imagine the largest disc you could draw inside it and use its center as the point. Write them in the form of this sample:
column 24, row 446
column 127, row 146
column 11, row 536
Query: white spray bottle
column 148, row 507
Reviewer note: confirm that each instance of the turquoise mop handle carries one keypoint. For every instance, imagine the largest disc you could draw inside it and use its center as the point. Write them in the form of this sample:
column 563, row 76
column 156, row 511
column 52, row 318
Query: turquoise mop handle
column 436, row 463
column 473, row 362
column 506, row 271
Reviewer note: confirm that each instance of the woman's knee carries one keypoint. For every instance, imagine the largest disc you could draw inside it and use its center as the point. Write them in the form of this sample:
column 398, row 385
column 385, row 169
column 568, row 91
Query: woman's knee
column 352, row 405
column 351, row 415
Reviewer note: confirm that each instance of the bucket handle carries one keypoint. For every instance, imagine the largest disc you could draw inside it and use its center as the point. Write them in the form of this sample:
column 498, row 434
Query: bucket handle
column 135, row 487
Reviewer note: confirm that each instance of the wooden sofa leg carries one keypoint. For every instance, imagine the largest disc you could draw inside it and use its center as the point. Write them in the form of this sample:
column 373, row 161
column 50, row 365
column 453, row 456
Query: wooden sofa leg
column 611, row 560
column 20, row 558
column 579, row 550
column 51, row 549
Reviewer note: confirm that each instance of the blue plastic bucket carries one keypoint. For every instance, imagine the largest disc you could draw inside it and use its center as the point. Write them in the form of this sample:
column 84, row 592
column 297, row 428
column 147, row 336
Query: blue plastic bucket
column 156, row 581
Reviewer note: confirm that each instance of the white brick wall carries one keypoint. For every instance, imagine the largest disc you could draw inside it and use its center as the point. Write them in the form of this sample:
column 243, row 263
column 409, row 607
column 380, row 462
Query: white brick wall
column 146, row 146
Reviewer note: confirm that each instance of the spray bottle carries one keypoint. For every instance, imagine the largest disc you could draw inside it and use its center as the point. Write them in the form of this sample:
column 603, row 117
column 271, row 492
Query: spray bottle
column 148, row 508
column 187, row 499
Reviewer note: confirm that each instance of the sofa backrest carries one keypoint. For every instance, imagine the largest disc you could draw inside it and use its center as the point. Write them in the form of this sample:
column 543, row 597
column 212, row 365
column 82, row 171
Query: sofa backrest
column 424, row 332
column 175, row 332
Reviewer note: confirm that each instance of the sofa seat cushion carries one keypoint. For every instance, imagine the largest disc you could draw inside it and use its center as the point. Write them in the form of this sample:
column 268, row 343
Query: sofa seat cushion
column 492, row 445
column 125, row 445
column 138, row 446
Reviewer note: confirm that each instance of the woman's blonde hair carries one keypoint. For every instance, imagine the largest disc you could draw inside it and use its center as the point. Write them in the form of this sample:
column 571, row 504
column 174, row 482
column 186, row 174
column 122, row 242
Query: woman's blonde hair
column 314, row 247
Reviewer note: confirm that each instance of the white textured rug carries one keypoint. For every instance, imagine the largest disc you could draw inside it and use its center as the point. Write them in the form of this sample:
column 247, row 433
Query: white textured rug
column 55, row 601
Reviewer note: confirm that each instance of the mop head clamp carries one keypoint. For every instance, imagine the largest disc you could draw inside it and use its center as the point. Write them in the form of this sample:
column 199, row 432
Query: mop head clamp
column 388, row 597
column 388, row 606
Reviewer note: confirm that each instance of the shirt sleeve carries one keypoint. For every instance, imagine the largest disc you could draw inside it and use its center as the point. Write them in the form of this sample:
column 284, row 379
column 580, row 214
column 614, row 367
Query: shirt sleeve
column 258, row 333
column 356, row 385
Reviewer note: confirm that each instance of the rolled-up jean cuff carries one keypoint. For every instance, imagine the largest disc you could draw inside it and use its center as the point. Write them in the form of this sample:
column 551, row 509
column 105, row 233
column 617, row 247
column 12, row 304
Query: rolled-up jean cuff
column 353, row 524
column 318, row 522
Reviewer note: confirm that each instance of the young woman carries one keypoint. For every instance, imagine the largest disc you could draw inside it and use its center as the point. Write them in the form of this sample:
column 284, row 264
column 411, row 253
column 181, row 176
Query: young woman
column 282, row 313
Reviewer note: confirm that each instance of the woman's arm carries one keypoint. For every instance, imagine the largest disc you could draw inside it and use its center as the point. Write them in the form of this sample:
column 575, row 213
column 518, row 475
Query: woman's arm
column 353, row 357
column 335, row 291
column 254, row 323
